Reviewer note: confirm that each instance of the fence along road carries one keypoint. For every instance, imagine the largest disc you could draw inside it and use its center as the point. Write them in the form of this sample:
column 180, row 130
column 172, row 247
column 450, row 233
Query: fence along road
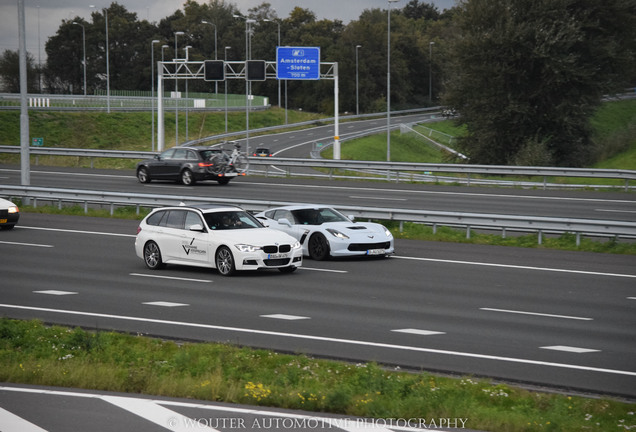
column 470, row 221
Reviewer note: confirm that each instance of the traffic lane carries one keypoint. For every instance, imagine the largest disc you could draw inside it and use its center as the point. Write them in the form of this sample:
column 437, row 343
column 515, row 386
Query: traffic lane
column 575, row 204
column 390, row 282
column 362, row 310
column 358, row 319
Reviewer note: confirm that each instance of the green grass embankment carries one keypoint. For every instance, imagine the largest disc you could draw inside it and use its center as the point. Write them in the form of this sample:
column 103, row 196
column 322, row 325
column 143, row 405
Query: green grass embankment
column 32, row 353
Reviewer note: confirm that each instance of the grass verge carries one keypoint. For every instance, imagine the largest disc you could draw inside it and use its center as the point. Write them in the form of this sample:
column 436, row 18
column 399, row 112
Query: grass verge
column 32, row 353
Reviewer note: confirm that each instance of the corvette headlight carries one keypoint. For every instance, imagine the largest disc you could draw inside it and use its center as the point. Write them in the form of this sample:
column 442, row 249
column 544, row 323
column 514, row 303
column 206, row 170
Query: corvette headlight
column 387, row 232
column 337, row 234
column 246, row 248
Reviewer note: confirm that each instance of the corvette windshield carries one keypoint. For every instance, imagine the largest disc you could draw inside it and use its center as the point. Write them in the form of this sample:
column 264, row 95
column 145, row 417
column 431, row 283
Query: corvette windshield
column 317, row 216
column 229, row 220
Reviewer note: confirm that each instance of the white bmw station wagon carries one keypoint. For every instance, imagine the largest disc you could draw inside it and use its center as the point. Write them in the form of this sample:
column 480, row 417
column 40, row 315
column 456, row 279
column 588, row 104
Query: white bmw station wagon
column 226, row 238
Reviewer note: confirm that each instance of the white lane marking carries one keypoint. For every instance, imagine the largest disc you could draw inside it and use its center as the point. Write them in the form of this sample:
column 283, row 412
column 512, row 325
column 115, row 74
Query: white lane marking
column 569, row 349
column 377, row 198
column 157, row 414
column 418, row 331
column 26, row 244
column 55, row 292
column 285, row 317
column 324, row 270
column 165, row 304
column 329, row 339
column 171, row 278
column 79, row 231
column 546, row 269
column 631, row 298
column 346, row 423
column 537, row 314
column 615, row 211
column 10, row 422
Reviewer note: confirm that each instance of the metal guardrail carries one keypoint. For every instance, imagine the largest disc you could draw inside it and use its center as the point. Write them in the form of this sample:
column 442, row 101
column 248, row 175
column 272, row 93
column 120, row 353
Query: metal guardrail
column 471, row 221
column 346, row 165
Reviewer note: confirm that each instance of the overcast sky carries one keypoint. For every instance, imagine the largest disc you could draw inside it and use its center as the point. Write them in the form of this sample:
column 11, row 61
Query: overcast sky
column 43, row 17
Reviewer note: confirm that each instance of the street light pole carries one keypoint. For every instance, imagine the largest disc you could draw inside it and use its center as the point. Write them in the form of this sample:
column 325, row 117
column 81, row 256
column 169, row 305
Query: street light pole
column 176, row 90
column 277, row 23
column 187, row 51
column 247, row 82
column 430, row 72
column 84, row 51
column 357, row 103
column 107, row 61
column 388, row 85
column 152, row 95
column 225, row 79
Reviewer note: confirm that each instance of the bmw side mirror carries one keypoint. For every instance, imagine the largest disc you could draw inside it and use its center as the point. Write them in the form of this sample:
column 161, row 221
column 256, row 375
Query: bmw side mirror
column 197, row 227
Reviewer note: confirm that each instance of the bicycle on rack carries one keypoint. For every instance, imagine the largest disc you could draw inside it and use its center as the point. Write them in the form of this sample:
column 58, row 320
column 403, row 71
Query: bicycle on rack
column 234, row 162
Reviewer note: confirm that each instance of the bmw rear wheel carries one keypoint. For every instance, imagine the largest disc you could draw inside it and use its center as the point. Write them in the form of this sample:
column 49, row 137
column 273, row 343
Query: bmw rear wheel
column 225, row 261
column 152, row 256
column 318, row 247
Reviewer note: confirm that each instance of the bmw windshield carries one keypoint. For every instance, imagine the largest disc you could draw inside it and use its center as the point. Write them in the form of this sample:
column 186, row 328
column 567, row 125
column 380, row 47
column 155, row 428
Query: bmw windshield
column 230, row 220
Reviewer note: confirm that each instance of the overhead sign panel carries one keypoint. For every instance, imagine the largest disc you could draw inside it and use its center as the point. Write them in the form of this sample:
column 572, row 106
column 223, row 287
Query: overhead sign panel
column 298, row 63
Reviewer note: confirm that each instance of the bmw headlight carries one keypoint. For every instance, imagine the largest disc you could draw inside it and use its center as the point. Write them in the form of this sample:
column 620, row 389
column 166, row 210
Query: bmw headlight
column 337, row 234
column 296, row 245
column 246, row 248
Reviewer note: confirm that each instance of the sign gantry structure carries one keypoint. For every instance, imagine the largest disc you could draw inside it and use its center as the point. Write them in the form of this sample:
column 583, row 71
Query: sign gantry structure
column 293, row 63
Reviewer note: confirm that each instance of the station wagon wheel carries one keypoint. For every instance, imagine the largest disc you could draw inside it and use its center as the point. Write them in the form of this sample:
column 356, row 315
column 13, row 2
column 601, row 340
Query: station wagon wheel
column 152, row 256
column 142, row 175
column 187, row 178
column 318, row 247
column 225, row 261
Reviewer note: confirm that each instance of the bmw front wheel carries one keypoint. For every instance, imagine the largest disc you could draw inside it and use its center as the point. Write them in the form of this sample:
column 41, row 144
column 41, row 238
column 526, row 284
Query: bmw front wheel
column 225, row 261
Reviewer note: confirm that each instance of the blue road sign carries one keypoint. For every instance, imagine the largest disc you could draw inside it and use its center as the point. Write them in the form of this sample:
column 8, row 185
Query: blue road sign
column 298, row 63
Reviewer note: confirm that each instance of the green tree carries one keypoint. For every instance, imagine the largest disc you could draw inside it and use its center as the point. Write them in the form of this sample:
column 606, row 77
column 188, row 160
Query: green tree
column 526, row 75
column 10, row 72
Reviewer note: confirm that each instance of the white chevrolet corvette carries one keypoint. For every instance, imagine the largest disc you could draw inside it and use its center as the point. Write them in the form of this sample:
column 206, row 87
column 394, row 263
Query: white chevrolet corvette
column 324, row 232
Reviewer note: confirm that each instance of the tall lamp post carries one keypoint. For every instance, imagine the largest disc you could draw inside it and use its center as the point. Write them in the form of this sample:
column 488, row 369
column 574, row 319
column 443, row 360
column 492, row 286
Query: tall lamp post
column 278, row 24
column 225, row 79
column 388, row 85
column 248, row 85
column 152, row 95
column 187, row 51
column 84, row 50
column 107, row 61
column 430, row 72
column 357, row 103
column 216, row 83
column 176, row 90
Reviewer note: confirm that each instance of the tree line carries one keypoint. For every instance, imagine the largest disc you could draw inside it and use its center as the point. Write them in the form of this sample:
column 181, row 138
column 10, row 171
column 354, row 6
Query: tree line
column 525, row 75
